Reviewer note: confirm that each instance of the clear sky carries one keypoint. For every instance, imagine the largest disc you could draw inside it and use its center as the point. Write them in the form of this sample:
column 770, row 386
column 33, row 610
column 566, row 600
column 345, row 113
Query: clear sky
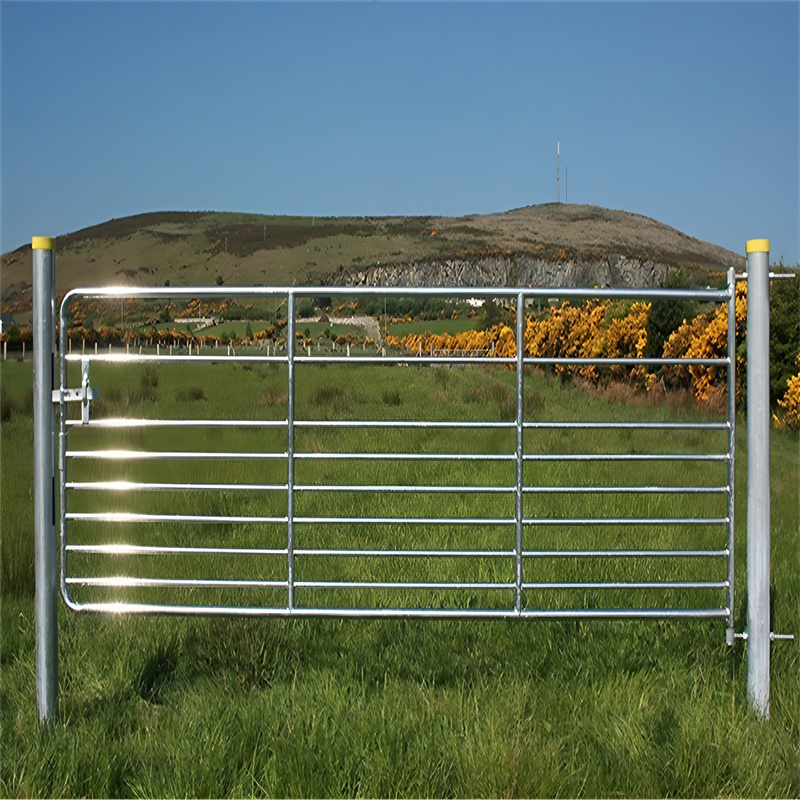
column 685, row 112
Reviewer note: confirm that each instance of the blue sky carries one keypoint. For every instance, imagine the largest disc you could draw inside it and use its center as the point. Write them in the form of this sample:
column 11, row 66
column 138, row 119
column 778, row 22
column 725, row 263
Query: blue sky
column 686, row 112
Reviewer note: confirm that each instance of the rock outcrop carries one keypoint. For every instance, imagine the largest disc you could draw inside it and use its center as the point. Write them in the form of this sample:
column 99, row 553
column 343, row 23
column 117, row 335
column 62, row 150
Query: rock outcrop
column 502, row 271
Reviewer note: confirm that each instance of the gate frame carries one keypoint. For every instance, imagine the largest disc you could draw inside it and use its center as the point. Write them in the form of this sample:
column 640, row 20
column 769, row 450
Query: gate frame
column 758, row 522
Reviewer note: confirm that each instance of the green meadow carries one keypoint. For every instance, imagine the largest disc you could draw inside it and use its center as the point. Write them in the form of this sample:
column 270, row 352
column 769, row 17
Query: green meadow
column 160, row 706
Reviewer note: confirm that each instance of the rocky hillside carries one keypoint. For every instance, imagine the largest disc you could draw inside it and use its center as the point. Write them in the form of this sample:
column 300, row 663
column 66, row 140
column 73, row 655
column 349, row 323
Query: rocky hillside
column 545, row 245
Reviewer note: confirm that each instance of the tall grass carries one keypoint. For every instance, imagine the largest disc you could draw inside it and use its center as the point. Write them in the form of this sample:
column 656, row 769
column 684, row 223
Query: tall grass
column 207, row 707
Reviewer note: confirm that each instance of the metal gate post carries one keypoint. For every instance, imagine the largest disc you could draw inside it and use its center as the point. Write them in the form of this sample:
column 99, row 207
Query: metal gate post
column 46, row 545
column 758, row 484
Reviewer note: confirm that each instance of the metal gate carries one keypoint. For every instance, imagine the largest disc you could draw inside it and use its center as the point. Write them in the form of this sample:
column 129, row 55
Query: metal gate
column 342, row 511
column 299, row 503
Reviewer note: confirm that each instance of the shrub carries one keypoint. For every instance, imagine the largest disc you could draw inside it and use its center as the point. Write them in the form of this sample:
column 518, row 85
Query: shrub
column 667, row 316
column 305, row 309
column 191, row 393
column 150, row 377
column 392, row 397
column 790, row 402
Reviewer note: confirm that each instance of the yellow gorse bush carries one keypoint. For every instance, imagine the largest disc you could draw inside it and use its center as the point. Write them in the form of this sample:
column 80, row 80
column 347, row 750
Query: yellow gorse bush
column 584, row 332
column 790, row 402
column 567, row 332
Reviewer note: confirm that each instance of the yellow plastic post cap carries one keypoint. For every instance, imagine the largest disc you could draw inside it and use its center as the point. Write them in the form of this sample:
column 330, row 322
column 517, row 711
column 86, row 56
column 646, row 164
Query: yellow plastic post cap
column 758, row 246
column 42, row 243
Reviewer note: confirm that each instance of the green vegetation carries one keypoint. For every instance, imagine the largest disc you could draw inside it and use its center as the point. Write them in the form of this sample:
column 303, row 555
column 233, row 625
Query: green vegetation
column 436, row 326
column 200, row 707
column 667, row 316
column 784, row 329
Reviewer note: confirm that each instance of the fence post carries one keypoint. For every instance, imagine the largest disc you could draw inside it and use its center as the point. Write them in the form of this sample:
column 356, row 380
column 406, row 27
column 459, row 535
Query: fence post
column 46, row 550
column 758, row 484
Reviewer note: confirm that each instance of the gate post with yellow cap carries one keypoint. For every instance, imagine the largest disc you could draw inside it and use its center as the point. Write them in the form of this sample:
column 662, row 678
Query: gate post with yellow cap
column 46, row 545
column 758, row 483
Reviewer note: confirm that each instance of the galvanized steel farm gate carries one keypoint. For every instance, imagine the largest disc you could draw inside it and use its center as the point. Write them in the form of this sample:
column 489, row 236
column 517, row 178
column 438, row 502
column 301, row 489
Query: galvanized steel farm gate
column 146, row 525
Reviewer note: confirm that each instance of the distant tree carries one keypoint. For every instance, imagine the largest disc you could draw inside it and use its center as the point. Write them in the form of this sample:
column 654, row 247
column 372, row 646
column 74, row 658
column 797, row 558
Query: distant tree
column 219, row 280
column 667, row 316
column 491, row 315
column 305, row 309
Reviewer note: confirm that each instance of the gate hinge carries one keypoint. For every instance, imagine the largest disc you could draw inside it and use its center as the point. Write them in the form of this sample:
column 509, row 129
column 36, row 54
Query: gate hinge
column 73, row 395
column 83, row 395
column 772, row 637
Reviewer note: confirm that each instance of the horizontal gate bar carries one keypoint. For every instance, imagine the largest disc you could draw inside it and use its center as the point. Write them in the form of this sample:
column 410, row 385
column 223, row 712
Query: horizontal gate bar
column 532, row 521
column 362, row 359
column 401, row 585
column 626, row 457
column 643, row 426
column 125, row 422
column 158, row 550
column 122, row 516
column 128, row 549
column 154, row 455
column 403, row 613
column 193, row 292
column 122, row 582
column 131, row 455
column 625, row 553
column 129, row 486
column 270, row 487
column 629, row 362
column 626, row 585
column 625, row 489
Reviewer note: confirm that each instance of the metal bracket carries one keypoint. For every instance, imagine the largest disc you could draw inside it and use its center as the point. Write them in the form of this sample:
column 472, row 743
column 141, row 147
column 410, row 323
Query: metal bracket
column 742, row 276
column 772, row 637
column 83, row 395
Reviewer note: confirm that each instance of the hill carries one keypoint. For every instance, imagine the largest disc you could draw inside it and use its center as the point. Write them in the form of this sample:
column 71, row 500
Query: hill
column 550, row 244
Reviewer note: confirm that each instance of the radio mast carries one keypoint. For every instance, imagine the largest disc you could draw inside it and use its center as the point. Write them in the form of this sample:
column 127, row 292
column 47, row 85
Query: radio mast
column 558, row 174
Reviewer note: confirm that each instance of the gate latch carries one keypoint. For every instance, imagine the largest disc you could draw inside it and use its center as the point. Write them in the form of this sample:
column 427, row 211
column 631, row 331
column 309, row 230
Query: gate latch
column 83, row 395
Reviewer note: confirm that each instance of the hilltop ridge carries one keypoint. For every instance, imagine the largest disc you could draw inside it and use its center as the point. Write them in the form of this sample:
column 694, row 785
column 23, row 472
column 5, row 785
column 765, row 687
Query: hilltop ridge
column 549, row 244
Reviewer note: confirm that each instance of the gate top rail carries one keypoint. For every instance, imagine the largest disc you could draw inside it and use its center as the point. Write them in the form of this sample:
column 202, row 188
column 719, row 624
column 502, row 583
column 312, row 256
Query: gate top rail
column 565, row 292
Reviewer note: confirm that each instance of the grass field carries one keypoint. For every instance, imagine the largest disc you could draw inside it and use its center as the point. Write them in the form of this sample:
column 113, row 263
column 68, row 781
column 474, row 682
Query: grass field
column 161, row 706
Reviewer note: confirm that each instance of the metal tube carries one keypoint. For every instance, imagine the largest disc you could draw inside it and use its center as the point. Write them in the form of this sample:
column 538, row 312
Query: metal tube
column 758, row 483
column 729, row 633
column 625, row 553
column 127, row 517
column 46, row 553
column 543, row 585
column 157, row 455
column 344, row 612
column 568, row 292
column 157, row 550
column 518, row 511
column 122, row 581
column 627, row 457
column 290, row 384
column 139, row 550
column 128, row 486
column 121, row 358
